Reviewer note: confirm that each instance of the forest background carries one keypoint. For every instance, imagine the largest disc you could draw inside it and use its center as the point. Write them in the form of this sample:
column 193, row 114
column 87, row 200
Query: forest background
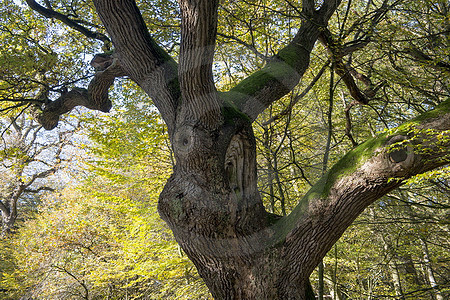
column 78, row 203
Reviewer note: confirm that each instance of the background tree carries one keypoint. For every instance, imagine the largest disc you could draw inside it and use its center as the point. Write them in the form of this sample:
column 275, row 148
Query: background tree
column 103, row 238
column 31, row 71
column 382, row 253
column 29, row 164
column 211, row 202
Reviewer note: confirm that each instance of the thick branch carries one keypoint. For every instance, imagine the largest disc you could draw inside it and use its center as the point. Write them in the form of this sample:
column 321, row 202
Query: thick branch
column 363, row 175
column 283, row 72
column 140, row 57
column 279, row 76
column 94, row 97
column 198, row 37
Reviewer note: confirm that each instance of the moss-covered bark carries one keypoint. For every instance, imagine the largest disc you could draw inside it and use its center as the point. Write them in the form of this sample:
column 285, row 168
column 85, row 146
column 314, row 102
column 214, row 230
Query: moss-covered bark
column 211, row 201
column 359, row 178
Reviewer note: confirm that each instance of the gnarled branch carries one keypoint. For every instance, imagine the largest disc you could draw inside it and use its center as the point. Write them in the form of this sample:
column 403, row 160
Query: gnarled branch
column 94, row 97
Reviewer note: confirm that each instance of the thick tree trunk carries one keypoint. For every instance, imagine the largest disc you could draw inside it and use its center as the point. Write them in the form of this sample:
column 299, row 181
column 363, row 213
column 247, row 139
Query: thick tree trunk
column 212, row 205
column 211, row 201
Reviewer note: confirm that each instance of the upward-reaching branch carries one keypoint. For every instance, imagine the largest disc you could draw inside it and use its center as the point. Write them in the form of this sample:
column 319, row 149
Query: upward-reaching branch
column 283, row 72
column 198, row 37
column 140, row 56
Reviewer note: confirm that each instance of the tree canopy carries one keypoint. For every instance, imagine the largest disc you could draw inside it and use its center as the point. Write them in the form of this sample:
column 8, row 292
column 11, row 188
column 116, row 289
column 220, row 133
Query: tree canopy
column 285, row 120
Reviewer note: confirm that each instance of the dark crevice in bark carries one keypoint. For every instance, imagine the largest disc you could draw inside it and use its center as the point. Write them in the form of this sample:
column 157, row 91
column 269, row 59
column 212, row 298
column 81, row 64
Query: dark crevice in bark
column 220, row 165
column 211, row 201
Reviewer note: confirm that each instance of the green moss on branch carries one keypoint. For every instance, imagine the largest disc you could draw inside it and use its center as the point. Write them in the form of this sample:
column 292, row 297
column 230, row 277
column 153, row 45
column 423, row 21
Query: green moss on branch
column 349, row 164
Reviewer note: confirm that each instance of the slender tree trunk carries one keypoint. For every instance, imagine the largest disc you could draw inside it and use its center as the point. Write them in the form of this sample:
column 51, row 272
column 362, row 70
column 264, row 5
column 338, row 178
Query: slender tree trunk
column 269, row 166
column 279, row 185
column 393, row 270
column 335, row 289
column 410, row 269
column 329, row 126
column 320, row 272
column 335, row 292
column 396, row 279
column 9, row 216
column 427, row 260
column 430, row 272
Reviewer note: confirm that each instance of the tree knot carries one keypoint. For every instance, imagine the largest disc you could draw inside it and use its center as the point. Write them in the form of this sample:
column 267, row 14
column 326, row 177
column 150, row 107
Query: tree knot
column 400, row 151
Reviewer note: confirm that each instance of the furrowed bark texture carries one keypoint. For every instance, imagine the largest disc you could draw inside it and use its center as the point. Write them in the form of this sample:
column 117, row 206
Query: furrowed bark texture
column 265, row 258
column 211, row 201
column 140, row 57
column 198, row 36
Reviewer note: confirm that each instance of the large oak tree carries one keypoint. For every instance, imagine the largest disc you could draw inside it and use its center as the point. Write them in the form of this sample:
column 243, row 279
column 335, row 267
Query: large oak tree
column 211, row 201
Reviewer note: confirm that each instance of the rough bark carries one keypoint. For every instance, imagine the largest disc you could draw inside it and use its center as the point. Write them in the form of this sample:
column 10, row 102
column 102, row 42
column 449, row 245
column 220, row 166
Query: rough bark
column 263, row 258
column 211, row 201
column 140, row 57
column 198, row 36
